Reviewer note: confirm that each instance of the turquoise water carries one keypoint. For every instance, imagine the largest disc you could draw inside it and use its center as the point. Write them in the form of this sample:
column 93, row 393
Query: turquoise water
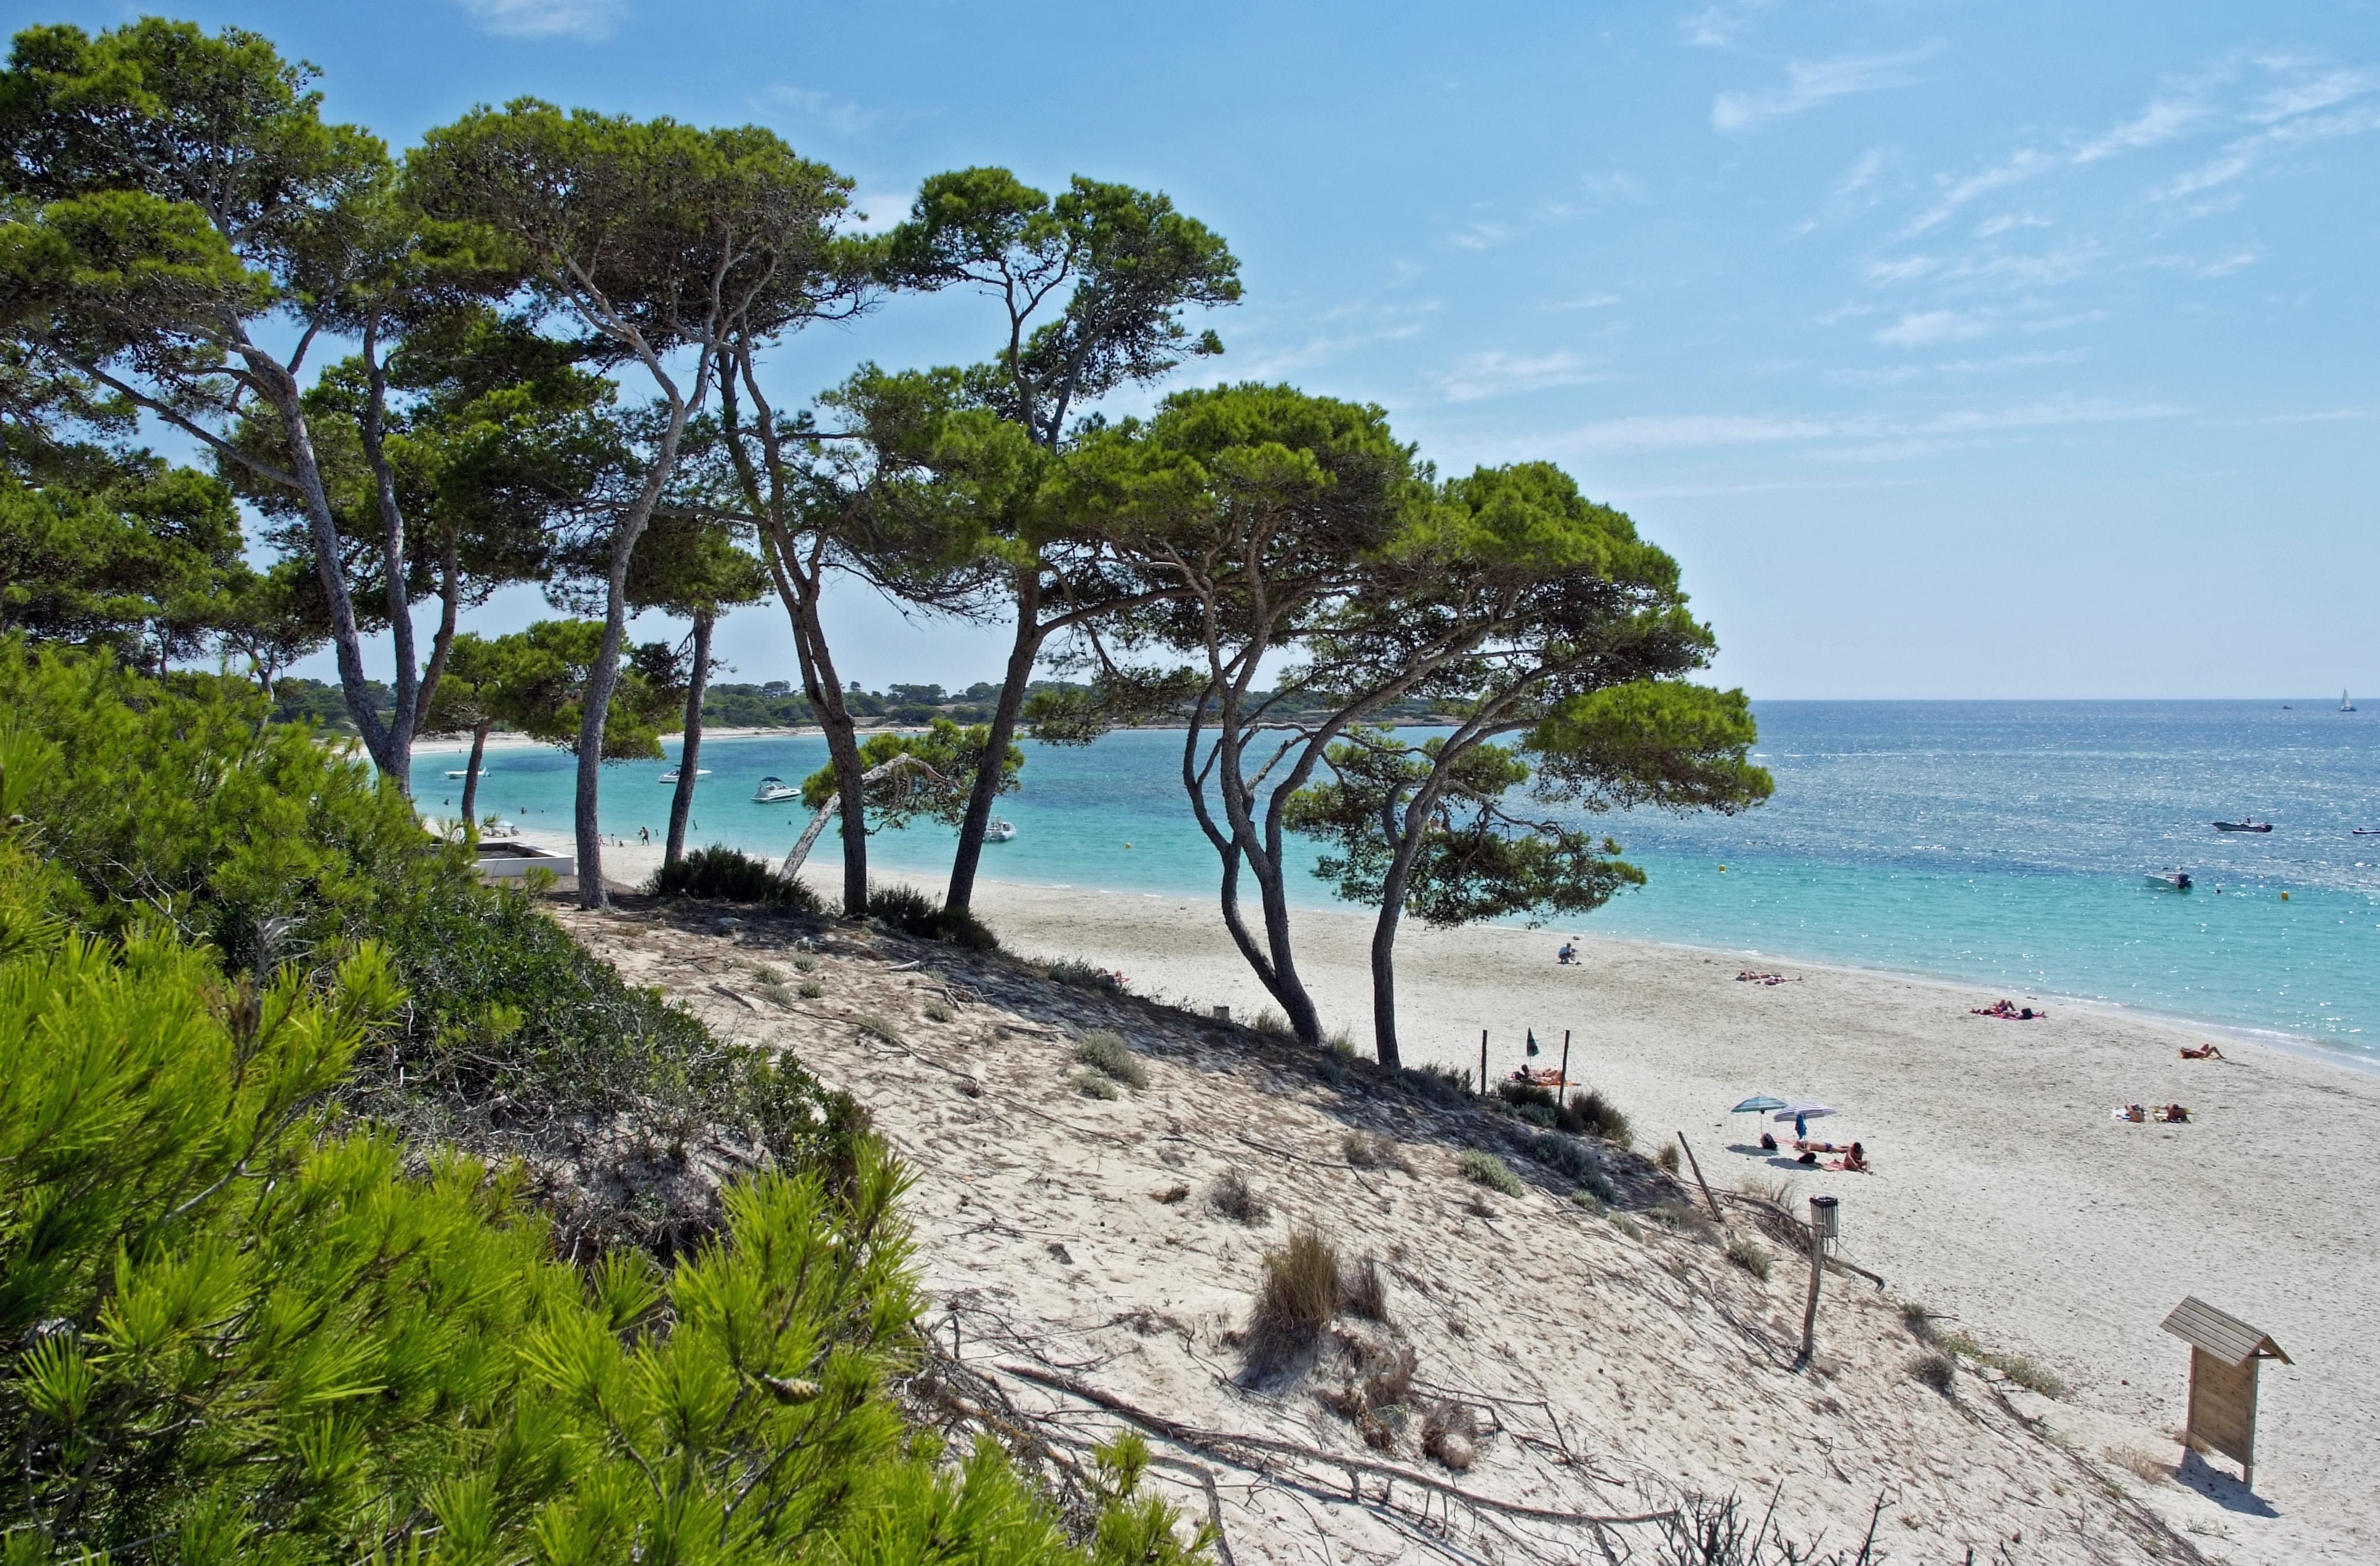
column 2003, row 844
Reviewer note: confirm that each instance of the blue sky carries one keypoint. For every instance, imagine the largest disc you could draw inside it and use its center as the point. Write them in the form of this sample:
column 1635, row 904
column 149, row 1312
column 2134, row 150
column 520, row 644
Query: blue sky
column 1958, row 349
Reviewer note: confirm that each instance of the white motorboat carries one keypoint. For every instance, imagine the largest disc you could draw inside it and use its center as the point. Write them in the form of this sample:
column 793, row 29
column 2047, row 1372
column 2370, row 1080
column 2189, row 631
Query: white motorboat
column 699, row 774
column 483, row 772
column 1001, row 830
column 774, row 790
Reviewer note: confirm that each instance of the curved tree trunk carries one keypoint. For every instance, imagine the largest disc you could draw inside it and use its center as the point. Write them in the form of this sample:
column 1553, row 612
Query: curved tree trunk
column 832, row 808
column 471, row 780
column 1384, row 986
column 1021, row 655
column 602, row 681
column 682, row 799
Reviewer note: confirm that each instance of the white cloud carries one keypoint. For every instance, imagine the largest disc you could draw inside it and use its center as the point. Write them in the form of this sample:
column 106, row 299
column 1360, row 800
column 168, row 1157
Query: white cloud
column 589, row 20
column 1905, row 269
column 2014, row 170
column 1685, row 431
column 2161, row 121
column 837, row 115
column 1497, row 373
column 2011, row 361
column 2325, row 415
column 1922, row 328
column 2309, row 93
column 1992, row 226
column 1809, row 84
column 1717, row 27
column 1589, row 302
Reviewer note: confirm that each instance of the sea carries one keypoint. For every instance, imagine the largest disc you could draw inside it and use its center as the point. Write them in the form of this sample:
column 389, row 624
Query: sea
column 2006, row 844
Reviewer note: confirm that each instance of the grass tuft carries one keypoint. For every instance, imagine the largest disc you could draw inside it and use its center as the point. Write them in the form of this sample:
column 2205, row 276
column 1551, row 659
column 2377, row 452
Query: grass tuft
column 876, row 1027
column 1749, row 1257
column 941, row 1010
column 810, row 990
column 1083, row 976
column 1091, row 1085
column 1937, row 1370
column 1295, row 1301
column 1373, row 1149
column 1363, row 1292
column 1485, row 1168
column 1107, row 1052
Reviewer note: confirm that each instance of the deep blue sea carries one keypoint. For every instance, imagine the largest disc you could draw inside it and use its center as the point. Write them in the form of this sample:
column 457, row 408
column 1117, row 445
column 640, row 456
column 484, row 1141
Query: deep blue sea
column 2005, row 843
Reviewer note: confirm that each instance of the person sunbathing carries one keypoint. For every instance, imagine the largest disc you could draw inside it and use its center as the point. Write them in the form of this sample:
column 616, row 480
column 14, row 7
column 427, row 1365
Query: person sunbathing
column 1822, row 1148
column 2173, row 1115
column 2207, row 1051
column 1853, row 1162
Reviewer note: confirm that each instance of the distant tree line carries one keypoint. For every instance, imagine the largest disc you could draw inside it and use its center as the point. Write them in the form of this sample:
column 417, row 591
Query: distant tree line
column 540, row 347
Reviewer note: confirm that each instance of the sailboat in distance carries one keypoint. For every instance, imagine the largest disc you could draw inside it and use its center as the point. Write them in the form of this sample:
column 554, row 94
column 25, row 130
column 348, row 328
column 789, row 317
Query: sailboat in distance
column 2344, row 704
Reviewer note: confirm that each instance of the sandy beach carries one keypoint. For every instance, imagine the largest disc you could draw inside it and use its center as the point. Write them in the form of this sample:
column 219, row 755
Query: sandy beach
column 2005, row 1196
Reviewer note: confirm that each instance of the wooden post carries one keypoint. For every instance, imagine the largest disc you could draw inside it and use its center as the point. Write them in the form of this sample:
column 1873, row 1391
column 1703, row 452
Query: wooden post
column 1695, row 1164
column 1822, row 1224
column 1483, row 1062
column 1565, row 1075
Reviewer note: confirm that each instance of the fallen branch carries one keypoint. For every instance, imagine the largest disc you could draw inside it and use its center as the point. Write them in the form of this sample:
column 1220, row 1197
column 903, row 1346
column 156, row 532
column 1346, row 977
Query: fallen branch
column 1216, row 1444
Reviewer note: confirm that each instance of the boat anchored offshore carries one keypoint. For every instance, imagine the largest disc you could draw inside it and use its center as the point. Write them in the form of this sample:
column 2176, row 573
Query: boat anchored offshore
column 2170, row 881
column 671, row 776
column 1001, row 830
column 774, row 790
column 2345, row 705
column 2249, row 825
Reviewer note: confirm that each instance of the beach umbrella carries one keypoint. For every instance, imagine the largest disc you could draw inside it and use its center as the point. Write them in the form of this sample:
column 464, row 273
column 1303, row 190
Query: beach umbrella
column 1754, row 1106
column 1799, row 1114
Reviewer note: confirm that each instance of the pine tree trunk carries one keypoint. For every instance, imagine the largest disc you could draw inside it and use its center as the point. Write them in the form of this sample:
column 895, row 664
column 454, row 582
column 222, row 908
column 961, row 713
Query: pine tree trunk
column 471, row 780
column 988, row 773
column 682, row 801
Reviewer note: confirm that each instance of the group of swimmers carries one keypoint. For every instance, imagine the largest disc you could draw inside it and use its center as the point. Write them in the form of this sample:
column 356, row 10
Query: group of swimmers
column 2009, row 1011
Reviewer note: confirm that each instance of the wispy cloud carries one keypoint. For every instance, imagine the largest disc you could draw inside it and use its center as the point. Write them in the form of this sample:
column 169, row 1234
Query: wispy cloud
column 1924, row 328
column 1992, row 227
column 2323, row 415
column 1687, row 432
column 1718, row 26
column 1333, row 333
column 2014, row 170
column 1587, row 301
column 1497, row 373
column 2161, row 121
column 839, row 115
column 590, row 21
column 1811, row 84
column 1902, row 374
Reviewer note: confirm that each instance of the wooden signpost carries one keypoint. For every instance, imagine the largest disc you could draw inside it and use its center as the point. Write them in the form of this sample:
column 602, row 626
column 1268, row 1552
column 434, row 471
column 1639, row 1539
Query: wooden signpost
column 2224, row 1354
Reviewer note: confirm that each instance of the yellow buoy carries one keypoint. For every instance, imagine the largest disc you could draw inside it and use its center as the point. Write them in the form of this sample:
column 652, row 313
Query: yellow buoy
column 2285, row 896
column 1722, row 869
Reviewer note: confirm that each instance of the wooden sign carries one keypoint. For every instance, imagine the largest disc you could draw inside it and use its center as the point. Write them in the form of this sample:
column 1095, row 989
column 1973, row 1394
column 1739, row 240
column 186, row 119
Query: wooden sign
column 2224, row 1354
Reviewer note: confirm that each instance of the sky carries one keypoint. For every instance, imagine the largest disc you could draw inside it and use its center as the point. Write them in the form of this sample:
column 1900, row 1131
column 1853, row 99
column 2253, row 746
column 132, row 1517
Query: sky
column 1957, row 349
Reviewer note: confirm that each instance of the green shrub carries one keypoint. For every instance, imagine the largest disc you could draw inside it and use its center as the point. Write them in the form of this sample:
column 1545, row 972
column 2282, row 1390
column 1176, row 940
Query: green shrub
column 1564, row 1153
column 810, row 990
column 255, row 1337
column 723, row 875
column 1093, row 1085
column 1485, row 1168
column 1747, row 1255
column 1083, row 976
column 1107, row 1052
column 911, row 912
column 1592, row 1114
column 1444, row 1084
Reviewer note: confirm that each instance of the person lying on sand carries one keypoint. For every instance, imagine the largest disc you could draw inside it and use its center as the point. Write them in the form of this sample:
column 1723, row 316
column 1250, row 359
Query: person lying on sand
column 2008, row 1010
column 1853, row 1162
column 2207, row 1051
column 2171, row 1114
column 1748, row 976
column 1824, row 1147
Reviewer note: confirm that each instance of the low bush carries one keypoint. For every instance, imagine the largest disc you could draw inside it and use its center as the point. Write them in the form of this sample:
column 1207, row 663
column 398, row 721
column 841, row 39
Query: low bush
column 1565, row 1153
column 2023, row 1369
column 1108, row 1053
column 1233, row 1196
column 1373, row 1149
column 720, row 874
column 1593, row 1191
column 1668, row 1157
column 810, row 990
column 1748, row 1255
column 1445, row 1084
column 1092, row 1085
column 913, row 913
column 1936, row 1369
column 1083, row 976
column 941, row 1010
column 1485, row 1168
column 1591, row 1114
column 1296, row 1299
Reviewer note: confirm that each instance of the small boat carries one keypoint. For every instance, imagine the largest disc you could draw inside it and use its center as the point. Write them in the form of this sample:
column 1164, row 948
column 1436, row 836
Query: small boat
column 483, row 772
column 2244, row 826
column 774, row 790
column 2344, row 704
column 2170, row 881
column 1001, row 830
column 671, row 776
column 2363, row 831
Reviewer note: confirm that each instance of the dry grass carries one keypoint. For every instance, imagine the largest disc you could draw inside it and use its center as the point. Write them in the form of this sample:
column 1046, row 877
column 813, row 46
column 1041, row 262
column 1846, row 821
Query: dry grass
column 1373, row 1149
column 811, row 989
column 1091, row 1085
column 1107, row 1053
column 1295, row 1301
column 1450, row 1432
column 1363, row 1292
column 1668, row 1157
column 2146, row 1465
column 1937, row 1370
column 1237, row 1199
column 940, row 1011
column 1749, row 1257
column 876, row 1027
column 1272, row 1021
column 1374, row 1404
column 1487, row 1169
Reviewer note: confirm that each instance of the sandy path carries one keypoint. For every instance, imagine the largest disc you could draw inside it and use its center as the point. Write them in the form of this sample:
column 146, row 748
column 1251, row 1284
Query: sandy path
column 2005, row 1198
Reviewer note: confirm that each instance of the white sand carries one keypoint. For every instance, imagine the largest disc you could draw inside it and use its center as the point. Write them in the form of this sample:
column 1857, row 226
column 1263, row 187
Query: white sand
column 2005, row 1196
